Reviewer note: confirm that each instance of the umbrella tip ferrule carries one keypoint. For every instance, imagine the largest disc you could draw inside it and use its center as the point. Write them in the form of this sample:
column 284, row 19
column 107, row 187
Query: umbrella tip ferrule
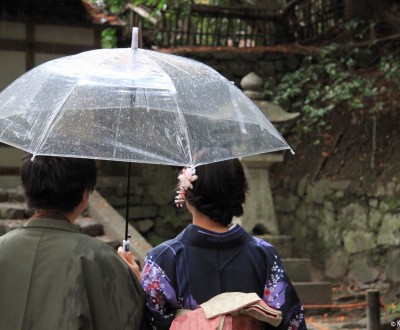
column 135, row 38
column 291, row 151
column 33, row 157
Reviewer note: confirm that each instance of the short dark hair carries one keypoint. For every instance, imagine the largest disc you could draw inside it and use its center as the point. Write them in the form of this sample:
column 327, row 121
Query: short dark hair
column 219, row 191
column 57, row 182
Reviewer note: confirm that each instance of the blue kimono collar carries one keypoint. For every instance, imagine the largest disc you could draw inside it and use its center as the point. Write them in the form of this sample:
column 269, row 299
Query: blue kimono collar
column 201, row 237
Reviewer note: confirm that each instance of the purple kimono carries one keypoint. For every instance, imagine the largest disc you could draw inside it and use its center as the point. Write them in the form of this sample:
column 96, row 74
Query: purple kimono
column 199, row 264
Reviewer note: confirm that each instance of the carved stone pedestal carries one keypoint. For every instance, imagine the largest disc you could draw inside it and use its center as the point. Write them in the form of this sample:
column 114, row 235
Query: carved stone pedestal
column 259, row 207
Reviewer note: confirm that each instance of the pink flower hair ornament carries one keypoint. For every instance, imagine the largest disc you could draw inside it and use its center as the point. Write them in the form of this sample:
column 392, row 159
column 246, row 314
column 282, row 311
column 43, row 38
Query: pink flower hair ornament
column 187, row 176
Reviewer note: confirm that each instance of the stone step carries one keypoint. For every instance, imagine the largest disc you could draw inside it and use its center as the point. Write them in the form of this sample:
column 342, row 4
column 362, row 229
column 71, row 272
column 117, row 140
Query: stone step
column 14, row 210
column 11, row 188
column 282, row 243
column 9, row 224
column 89, row 226
column 298, row 269
column 314, row 293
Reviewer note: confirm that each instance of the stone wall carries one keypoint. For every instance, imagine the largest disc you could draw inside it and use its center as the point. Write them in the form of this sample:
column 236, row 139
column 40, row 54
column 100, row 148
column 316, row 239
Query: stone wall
column 352, row 237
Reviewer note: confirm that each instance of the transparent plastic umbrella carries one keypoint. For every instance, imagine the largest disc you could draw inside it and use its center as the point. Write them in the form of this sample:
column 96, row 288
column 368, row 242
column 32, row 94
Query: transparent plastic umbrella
column 132, row 105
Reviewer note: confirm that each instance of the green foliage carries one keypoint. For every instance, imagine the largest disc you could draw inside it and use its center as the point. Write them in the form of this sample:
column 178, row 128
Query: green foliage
column 393, row 309
column 391, row 67
column 116, row 6
column 329, row 81
column 109, row 38
column 158, row 5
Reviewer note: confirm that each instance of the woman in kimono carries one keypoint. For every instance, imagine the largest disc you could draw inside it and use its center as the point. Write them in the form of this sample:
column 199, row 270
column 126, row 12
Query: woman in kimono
column 211, row 256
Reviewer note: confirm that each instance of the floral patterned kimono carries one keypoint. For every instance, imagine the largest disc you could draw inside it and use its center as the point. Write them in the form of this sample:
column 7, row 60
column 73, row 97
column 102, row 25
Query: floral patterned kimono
column 199, row 264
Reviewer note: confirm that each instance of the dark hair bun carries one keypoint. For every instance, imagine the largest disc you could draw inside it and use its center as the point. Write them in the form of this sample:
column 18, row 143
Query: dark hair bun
column 219, row 192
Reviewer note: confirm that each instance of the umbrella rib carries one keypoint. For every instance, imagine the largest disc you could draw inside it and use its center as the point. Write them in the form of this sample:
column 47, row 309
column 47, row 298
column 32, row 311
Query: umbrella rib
column 120, row 107
column 180, row 113
column 169, row 63
column 47, row 129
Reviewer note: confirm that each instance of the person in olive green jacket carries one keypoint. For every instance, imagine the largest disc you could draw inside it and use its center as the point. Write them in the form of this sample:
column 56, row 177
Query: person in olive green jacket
column 53, row 277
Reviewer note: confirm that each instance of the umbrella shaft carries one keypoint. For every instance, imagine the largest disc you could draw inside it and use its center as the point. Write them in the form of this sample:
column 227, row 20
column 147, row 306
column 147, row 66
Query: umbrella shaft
column 127, row 202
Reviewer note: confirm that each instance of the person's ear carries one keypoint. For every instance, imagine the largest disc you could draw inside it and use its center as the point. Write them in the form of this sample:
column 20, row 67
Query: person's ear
column 86, row 195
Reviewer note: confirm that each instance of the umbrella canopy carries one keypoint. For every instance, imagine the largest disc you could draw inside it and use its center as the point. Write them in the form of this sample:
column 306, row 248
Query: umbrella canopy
column 132, row 105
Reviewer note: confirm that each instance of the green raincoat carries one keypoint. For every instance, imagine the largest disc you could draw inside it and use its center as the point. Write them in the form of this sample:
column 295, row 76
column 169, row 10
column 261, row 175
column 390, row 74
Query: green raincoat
column 53, row 277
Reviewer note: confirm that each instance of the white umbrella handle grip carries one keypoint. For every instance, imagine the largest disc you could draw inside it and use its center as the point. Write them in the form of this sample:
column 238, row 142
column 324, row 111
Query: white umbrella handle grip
column 125, row 245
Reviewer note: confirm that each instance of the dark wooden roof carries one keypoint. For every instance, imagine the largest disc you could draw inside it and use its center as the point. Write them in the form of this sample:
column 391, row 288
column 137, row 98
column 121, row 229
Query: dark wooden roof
column 57, row 12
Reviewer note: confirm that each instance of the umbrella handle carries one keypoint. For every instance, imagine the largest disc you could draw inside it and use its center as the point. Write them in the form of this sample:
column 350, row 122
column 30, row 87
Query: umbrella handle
column 125, row 245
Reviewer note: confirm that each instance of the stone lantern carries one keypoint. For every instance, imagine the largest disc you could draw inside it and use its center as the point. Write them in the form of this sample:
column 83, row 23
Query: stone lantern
column 259, row 206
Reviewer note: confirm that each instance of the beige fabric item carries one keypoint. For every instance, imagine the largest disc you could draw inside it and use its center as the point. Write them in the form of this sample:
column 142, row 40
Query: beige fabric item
column 236, row 303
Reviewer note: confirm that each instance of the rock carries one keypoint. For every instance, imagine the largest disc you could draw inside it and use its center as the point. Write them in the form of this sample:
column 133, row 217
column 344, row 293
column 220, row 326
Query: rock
column 340, row 185
column 302, row 186
column 393, row 265
column 318, row 192
column 144, row 225
column 358, row 241
column 354, row 216
column 374, row 219
column 336, row 265
column 361, row 271
column 389, row 232
column 373, row 203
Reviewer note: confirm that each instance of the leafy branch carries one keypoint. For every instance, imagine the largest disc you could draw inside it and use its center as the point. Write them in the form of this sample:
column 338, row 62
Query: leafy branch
column 334, row 80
